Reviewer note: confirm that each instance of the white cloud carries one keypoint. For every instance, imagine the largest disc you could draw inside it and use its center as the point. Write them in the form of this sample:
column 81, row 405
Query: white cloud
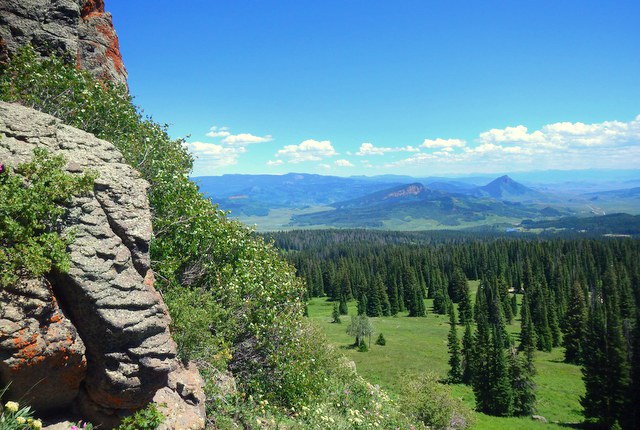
column 275, row 163
column 240, row 139
column 212, row 155
column 309, row 150
column 243, row 139
column 565, row 135
column 561, row 145
column 218, row 132
column 324, row 166
column 443, row 143
column 370, row 149
column 343, row 163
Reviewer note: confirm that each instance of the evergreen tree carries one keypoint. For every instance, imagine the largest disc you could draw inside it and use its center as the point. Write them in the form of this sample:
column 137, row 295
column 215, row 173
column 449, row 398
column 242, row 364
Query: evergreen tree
column 374, row 304
column 362, row 304
column 455, row 369
column 343, row 308
column 464, row 307
column 521, row 375
column 336, row 314
column 501, row 391
column 467, row 354
column 381, row 340
column 514, row 306
column 575, row 325
column 458, row 285
column 605, row 370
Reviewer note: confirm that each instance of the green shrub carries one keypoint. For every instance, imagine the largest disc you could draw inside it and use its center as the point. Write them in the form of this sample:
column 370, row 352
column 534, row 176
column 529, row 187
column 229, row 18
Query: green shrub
column 381, row 340
column 226, row 289
column 148, row 418
column 33, row 198
column 235, row 303
column 431, row 403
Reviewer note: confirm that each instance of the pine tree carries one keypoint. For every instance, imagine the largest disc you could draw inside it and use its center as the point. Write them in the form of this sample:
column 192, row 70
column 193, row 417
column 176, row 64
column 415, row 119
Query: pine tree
column 455, row 369
column 467, row 354
column 464, row 307
column 381, row 340
column 575, row 325
column 606, row 371
column 501, row 391
column 521, row 375
column 336, row 314
column 343, row 308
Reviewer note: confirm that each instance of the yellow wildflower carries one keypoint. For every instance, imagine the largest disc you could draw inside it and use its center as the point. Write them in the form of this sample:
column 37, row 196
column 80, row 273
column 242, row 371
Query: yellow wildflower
column 37, row 424
column 12, row 406
column 21, row 420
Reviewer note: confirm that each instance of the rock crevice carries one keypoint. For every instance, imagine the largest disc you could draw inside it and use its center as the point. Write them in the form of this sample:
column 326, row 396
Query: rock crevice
column 103, row 317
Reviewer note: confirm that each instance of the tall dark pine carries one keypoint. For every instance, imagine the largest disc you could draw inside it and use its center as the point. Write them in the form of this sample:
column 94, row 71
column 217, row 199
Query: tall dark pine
column 524, row 388
column 464, row 307
column 575, row 325
column 457, row 285
column 605, row 370
column 467, row 354
column 455, row 365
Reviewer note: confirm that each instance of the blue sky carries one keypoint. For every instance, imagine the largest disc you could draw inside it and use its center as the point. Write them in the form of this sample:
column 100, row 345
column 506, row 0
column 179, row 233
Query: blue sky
column 389, row 87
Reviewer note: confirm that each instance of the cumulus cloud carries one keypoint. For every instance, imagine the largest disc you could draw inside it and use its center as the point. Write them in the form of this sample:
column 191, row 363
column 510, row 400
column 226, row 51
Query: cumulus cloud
column 213, row 155
column 275, row 162
column 240, row 139
column 343, row 163
column 564, row 135
column 309, row 150
column 561, row 145
column 370, row 149
column 244, row 139
column 443, row 143
column 218, row 132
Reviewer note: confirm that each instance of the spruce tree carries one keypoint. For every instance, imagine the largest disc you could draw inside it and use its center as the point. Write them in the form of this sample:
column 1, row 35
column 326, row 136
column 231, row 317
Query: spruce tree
column 521, row 374
column 467, row 354
column 606, row 371
column 501, row 392
column 575, row 325
column 343, row 308
column 335, row 315
column 455, row 369
column 464, row 307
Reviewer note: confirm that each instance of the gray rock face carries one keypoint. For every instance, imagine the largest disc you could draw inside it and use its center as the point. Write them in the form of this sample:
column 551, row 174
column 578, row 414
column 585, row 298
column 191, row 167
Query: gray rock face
column 108, row 293
column 79, row 30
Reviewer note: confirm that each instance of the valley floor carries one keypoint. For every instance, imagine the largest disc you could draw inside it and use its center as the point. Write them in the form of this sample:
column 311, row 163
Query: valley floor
column 415, row 345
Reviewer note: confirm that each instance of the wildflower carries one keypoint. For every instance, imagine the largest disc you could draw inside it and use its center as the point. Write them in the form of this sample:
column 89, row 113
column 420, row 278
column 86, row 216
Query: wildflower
column 21, row 420
column 12, row 406
column 37, row 424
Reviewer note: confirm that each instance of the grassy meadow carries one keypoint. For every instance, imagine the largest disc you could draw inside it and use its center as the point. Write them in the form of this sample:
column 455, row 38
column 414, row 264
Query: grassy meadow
column 415, row 345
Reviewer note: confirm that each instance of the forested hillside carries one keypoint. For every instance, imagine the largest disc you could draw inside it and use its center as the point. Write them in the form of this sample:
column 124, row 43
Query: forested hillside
column 580, row 295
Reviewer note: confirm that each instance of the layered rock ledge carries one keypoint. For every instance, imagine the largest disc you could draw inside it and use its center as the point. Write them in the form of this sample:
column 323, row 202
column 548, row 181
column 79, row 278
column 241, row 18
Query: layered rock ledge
column 96, row 338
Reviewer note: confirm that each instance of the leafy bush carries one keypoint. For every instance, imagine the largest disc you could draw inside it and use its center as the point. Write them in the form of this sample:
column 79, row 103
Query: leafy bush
column 431, row 403
column 235, row 303
column 33, row 199
column 148, row 418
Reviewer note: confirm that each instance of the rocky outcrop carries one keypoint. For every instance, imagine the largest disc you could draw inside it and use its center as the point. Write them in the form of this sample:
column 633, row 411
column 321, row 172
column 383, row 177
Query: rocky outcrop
column 40, row 350
column 106, row 300
column 79, row 30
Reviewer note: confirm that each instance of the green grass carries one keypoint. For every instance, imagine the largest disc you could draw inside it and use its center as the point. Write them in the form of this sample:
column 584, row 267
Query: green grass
column 416, row 345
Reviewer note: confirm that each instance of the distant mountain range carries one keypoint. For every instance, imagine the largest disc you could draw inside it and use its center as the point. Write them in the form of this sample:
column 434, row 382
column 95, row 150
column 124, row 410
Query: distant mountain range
column 299, row 200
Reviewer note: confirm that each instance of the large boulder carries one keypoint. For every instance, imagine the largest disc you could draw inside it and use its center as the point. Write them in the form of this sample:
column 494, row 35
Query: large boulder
column 108, row 293
column 79, row 30
column 41, row 353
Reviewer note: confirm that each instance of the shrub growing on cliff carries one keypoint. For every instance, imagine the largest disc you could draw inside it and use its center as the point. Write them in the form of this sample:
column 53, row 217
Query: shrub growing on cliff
column 32, row 200
column 235, row 303
column 226, row 289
